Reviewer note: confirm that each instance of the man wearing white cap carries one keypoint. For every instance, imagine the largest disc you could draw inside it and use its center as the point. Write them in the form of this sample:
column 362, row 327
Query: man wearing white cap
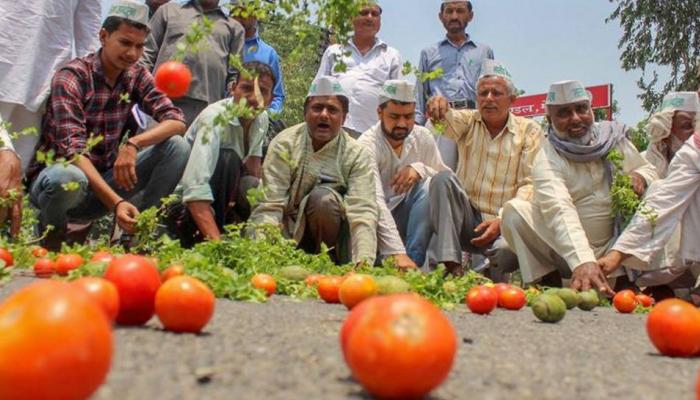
column 405, row 157
column 371, row 63
column 569, row 222
column 318, row 182
column 460, row 58
column 93, row 95
column 496, row 151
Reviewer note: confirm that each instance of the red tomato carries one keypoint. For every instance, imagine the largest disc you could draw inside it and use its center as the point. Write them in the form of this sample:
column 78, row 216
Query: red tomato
column 644, row 300
column 55, row 343
column 625, row 301
column 137, row 281
column 402, row 347
column 173, row 78
column 171, row 272
column 68, row 262
column 184, row 304
column 328, row 288
column 512, row 298
column 482, row 299
column 39, row 252
column 352, row 319
column 500, row 287
column 6, row 256
column 44, row 268
column 102, row 256
column 313, row 279
column 673, row 326
column 357, row 288
column 102, row 292
column 264, row 282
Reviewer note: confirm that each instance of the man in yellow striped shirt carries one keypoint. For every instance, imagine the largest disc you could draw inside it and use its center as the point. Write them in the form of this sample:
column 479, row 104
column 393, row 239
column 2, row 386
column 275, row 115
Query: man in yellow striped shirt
column 496, row 152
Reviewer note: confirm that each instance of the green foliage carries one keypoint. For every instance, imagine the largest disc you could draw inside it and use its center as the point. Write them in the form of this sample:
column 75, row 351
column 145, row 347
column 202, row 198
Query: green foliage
column 625, row 202
column 195, row 40
column 638, row 136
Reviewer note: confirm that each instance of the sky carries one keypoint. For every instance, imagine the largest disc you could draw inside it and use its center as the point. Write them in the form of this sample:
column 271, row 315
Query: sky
column 540, row 41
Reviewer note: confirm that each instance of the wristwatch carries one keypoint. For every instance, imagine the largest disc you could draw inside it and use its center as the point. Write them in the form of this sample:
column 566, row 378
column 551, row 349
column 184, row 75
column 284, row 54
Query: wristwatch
column 133, row 144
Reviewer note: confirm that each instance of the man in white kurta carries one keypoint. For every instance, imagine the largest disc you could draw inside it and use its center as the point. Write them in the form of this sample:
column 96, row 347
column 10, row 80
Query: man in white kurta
column 569, row 222
column 38, row 38
column 405, row 157
column 10, row 181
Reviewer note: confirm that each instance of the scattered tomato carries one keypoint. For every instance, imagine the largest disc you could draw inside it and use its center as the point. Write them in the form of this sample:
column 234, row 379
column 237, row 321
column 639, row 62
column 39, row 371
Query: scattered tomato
column 329, row 288
column 482, row 299
column 402, row 346
column 184, row 304
column 171, row 272
column 39, row 252
column 102, row 292
column 173, row 78
column 102, row 256
column 68, row 262
column 673, row 326
column 313, row 279
column 44, row 268
column 512, row 298
column 500, row 287
column 349, row 324
column 55, row 343
column 645, row 300
column 137, row 281
column 357, row 288
column 625, row 301
column 6, row 256
column 264, row 282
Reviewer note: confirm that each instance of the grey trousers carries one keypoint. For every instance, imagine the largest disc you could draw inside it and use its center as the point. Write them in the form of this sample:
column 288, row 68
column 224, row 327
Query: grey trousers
column 454, row 220
column 325, row 223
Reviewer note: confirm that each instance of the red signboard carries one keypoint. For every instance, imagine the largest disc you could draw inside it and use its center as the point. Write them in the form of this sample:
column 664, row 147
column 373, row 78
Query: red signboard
column 533, row 105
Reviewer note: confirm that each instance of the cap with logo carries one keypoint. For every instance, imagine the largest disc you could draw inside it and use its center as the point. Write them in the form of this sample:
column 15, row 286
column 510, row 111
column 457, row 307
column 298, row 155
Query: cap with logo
column 131, row 10
column 567, row 92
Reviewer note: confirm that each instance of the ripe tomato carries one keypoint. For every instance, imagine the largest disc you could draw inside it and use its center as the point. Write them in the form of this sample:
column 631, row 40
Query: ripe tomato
column 356, row 288
column 102, row 292
column 102, row 256
column 625, row 301
column 171, row 272
column 329, row 288
column 55, row 343
column 512, row 298
column 39, row 252
column 401, row 347
column 184, row 304
column 44, row 268
column 482, row 299
column 313, row 279
column 500, row 287
column 673, row 326
column 349, row 324
column 68, row 262
column 264, row 282
column 645, row 300
column 137, row 281
column 6, row 256
column 173, row 78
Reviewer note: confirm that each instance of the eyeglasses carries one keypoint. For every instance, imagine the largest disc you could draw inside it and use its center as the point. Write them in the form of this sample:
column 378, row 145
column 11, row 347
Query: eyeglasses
column 371, row 12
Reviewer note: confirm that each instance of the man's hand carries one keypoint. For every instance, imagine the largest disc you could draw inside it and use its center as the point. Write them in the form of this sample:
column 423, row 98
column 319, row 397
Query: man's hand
column 437, row 108
column 611, row 262
column 490, row 231
column 639, row 185
column 404, row 180
column 125, row 168
column 11, row 184
column 404, row 262
column 126, row 216
column 590, row 276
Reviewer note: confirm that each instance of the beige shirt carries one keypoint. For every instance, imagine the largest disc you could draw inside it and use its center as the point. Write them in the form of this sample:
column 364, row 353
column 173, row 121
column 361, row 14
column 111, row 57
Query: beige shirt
column 574, row 200
column 421, row 153
column 493, row 171
column 292, row 169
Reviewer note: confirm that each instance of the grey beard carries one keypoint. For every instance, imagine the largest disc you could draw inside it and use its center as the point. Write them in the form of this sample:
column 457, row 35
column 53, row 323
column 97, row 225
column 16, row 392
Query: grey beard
column 581, row 141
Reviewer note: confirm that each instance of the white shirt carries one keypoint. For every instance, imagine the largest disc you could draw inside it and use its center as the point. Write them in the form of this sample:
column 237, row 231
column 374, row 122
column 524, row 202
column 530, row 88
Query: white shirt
column 363, row 78
column 675, row 198
column 420, row 152
column 5, row 141
column 37, row 38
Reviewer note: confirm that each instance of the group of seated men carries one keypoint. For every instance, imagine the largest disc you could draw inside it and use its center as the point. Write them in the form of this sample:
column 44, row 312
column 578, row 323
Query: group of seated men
column 520, row 197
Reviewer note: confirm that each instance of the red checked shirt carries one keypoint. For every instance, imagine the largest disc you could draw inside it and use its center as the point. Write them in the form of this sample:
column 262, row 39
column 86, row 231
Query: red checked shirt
column 82, row 103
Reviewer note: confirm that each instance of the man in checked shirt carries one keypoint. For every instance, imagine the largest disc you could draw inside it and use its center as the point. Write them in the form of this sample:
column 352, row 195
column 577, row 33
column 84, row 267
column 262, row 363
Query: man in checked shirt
column 93, row 95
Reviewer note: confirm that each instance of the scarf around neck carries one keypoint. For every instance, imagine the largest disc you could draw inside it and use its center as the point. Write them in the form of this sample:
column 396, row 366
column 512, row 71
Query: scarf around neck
column 605, row 136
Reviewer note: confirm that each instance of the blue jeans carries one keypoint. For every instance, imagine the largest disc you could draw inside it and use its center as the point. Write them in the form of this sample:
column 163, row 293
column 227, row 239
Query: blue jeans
column 412, row 219
column 158, row 168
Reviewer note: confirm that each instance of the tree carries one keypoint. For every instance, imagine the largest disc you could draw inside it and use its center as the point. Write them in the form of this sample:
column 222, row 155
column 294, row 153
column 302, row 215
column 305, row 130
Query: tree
column 660, row 33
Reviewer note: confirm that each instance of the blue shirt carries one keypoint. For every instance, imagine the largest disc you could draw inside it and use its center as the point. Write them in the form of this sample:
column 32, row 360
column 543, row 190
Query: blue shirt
column 461, row 66
column 255, row 49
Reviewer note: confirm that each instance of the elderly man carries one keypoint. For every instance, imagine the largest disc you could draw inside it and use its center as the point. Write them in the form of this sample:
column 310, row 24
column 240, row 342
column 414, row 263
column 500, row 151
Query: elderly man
column 460, row 58
column 370, row 63
column 569, row 221
column 211, row 74
column 318, row 182
column 405, row 157
column 10, row 182
column 225, row 161
column 87, row 97
column 496, row 151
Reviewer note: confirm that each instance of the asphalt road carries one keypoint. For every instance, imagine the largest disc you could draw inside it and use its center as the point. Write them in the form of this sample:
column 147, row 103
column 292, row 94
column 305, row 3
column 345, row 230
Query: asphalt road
column 288, row 350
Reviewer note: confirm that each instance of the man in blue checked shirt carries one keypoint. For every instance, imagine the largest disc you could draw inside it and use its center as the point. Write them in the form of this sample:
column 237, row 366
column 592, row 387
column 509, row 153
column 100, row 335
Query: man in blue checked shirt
column 460, row 57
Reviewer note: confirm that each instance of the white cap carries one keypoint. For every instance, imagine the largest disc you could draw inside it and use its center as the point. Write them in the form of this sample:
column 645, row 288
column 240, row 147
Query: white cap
column 326, row 86
column 131, row 10
column 567, row 92
column 453, row 1
column 681, row 101
column 397, row 90
column 495, row 68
